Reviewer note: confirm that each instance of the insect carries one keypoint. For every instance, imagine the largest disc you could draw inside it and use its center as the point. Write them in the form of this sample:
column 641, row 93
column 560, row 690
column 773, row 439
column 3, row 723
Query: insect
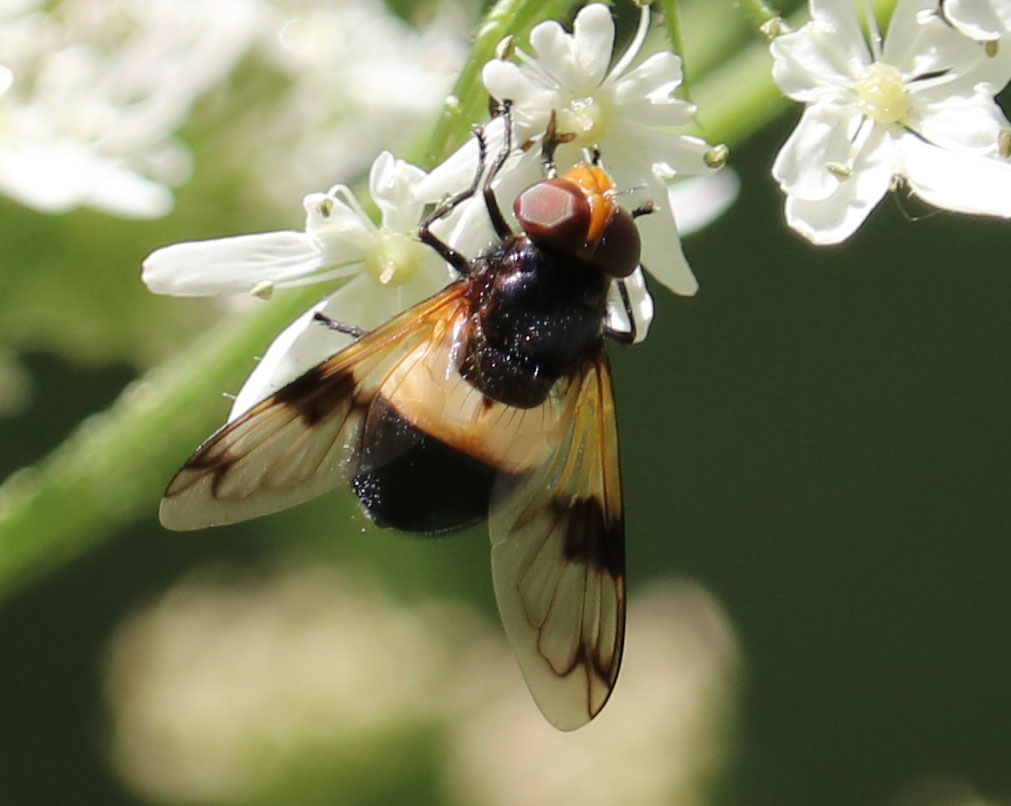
column 491, row 399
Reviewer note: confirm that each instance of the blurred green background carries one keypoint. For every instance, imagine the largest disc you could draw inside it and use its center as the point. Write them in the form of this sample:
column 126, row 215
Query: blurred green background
column 820, row 439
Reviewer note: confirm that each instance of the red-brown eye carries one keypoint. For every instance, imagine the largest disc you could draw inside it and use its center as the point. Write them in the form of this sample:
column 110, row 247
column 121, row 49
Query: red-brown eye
column 617, row 253
column 555, row 214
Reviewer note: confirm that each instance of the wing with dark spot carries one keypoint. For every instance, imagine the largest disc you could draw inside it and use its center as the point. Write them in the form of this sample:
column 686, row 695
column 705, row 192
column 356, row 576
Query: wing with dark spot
column 558, row 558
column 305, row 439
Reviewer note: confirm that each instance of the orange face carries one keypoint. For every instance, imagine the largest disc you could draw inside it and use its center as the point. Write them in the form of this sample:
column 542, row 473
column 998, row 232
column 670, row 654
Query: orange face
column 599, row 191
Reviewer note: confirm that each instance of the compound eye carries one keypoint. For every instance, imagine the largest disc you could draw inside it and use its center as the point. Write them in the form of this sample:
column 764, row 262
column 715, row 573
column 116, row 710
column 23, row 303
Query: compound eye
column 555, row 214
column 617, row 254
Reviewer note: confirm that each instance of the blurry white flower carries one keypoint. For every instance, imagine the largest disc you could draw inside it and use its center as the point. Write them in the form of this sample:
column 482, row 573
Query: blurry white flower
column 361, row 79
column 939, row 790
column 697, row 201
column 979, row 19
column 391, row 270
column 626, row 113
column 661, row 739
column 225, row 687
column 921, row 109
column 99, row 90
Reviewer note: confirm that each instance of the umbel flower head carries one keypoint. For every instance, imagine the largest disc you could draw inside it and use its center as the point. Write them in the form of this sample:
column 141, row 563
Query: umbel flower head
column 100, row 90
column 918, row 109
column 626, row 112
column 386, row 269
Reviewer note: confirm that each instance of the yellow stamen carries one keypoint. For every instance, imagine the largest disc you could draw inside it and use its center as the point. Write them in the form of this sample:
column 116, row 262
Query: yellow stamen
column 586, row 117
column 882, row 93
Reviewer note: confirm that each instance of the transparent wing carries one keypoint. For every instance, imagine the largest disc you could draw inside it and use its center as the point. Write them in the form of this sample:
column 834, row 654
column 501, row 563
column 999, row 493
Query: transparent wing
column 558, row 558
column 305, row 439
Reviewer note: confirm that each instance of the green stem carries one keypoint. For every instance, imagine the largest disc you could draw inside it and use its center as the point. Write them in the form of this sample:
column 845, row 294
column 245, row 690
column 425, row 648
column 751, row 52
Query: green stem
column 468, row 103
column 675, row 32
column 759, row 10
column 115, row 465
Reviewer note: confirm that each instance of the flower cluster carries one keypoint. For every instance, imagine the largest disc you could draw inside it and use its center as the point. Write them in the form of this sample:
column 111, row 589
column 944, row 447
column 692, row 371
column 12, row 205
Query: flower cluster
column 625, row 113
column 92, row 95
column 230, row 686
column 915, row 111
column 96, row 92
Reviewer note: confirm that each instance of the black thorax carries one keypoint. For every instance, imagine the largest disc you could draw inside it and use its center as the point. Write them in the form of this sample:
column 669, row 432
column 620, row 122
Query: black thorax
column 536, row 316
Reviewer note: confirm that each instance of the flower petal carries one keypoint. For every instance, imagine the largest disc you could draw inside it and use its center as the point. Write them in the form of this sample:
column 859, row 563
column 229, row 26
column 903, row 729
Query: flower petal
column 532, row 99
column 658, row 76
column 339, row 225
column 834, row 218
column 593, row 41
column 931, row 47
column 231, row 265
column 971, row 123
column 838, row 16
column 700, row 200
column 646, row 151
column 579, row 60
column 823, row 136
column 823, row 56
column 662, row 255
column 979, row 19
column 906, row 33
column 955, row 65
column 640, row 302
column 391, row 185
column 553, row 48
column 966, row 183
column 644, row 95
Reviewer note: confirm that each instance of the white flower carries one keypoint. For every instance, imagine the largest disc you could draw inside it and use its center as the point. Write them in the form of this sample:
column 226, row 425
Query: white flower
column 920, row 109
column 979, row 19
column 351, row 68
column 626, row 113
column 390, row 268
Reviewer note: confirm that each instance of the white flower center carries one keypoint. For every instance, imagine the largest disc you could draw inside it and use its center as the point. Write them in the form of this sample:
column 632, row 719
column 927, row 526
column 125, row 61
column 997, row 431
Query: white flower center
column 882, row 93
column 394, row 258
column 587, row 117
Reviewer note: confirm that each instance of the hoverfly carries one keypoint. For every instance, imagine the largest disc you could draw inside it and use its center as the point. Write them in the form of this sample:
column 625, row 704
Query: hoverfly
column 491, row 399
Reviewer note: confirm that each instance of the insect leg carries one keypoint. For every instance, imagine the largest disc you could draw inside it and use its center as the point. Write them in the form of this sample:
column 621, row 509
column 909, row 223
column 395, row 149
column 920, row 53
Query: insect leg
column 552, row 139
column 494, row 212
column 425, row 234
column 644, row 209
column 340, row 327
column 621, row 335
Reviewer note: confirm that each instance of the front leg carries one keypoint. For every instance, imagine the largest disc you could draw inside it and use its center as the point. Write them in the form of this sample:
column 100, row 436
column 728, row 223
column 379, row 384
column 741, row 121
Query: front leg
column 425, row 234
column 340, row 327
